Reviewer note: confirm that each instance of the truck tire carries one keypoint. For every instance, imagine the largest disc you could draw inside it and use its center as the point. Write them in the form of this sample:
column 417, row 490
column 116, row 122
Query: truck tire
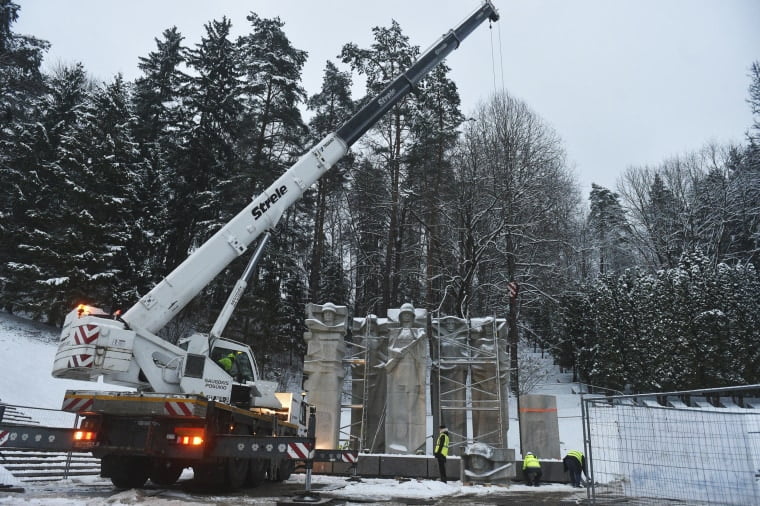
column 209, row 475
column 165, row 472
column 257, row 472
column 282, row 470
column 235, row 473
column 236, row 469
column 128, row 472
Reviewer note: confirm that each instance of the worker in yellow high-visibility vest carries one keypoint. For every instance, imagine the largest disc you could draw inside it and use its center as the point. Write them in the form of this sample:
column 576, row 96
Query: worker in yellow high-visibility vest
column 532, row 469
column 441, row 450
column 574, row 462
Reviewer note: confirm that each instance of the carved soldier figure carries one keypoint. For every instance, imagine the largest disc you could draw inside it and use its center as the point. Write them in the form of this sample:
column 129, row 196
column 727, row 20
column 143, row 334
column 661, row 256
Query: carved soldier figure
column 484, row 381
column 405, row 369
column 453, row 366
column 323, row 368
column 369, row 379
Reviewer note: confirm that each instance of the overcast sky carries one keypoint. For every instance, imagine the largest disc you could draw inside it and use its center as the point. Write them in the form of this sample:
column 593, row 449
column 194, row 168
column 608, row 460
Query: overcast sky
column 623, row 82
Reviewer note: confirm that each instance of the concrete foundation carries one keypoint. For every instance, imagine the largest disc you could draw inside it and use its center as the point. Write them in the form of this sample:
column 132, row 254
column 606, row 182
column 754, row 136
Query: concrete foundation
column 552, row 472
column 424, row 467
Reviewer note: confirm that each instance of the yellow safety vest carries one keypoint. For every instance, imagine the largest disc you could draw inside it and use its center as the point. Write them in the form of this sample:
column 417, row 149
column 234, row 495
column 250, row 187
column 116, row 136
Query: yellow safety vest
column 226, row 362
column 531, row 461
column 442, row 444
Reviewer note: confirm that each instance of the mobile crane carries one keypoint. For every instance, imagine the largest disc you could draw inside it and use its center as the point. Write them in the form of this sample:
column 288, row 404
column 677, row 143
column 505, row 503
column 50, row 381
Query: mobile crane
column 187, row 411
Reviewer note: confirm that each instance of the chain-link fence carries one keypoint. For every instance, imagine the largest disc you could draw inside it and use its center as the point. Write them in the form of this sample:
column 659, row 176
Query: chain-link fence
column 695, row 447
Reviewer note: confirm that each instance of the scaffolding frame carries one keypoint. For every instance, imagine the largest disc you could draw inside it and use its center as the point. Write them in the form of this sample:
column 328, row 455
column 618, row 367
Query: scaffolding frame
column 357, row 356
column 477, row 398
column 469, row 396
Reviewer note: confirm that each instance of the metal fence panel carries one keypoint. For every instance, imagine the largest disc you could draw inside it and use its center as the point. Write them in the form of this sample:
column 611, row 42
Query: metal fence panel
column 679, row 447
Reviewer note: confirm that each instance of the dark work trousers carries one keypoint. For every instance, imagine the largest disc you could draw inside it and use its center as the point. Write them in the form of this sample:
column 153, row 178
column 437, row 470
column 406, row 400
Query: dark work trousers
column 574, row 468
column 441, row 466
column 532, row 476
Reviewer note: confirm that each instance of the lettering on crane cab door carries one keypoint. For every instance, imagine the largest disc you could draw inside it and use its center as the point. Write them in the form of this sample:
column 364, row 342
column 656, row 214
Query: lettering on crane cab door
column 263, row 207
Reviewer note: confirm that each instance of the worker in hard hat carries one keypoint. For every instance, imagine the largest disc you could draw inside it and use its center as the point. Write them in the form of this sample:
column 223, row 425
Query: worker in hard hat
column 227, row 361
column 531, row 469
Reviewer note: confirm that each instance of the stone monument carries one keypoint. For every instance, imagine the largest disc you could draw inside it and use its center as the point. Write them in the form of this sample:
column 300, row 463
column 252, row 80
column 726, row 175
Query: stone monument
column 405, row 370
column 482, row 463
column 540, row 426
column 453, row 368
column 369, row 385
column 323, row 368
column 490, row 387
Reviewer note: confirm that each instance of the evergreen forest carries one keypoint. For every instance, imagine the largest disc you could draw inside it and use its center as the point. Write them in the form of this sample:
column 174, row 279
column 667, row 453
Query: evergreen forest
column 105, row 187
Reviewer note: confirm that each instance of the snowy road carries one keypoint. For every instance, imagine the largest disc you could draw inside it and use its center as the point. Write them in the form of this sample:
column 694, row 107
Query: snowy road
column 25, row 345
column 96, row 491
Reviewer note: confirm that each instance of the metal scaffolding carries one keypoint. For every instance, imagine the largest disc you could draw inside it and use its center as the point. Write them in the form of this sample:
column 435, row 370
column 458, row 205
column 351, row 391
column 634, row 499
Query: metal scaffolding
column 471, row 374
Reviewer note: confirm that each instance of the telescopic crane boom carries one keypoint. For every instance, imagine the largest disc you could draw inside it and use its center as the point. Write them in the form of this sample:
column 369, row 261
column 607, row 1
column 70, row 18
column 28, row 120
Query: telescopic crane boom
column 127, row 351
column 164, row 301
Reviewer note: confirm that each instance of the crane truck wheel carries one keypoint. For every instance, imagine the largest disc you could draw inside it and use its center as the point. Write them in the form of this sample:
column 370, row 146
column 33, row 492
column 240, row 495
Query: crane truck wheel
column 126, row 471
column 282, row 470
column 165, row 472
column 257, row 472
column 236, row 470
column 235, row 473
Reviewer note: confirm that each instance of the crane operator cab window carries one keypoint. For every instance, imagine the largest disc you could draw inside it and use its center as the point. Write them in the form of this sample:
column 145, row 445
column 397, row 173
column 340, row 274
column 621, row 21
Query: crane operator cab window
column 236, row 363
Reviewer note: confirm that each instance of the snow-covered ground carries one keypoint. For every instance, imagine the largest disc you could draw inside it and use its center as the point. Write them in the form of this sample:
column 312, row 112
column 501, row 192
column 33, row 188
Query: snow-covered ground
column 27, row 351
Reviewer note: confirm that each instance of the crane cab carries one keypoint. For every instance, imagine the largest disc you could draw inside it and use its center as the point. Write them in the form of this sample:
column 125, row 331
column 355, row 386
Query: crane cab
column 248, row 390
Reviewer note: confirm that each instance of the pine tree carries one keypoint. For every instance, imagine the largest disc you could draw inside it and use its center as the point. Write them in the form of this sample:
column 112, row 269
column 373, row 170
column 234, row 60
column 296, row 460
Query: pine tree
column 158, row 91
column 428, row 190
column 159, row 130
column 202, row 181
column 271, row 139
column 101, row 166
column 272, row 130
column 369, row 219
column 21, row 84
column 207, row 189
column 740, row 285
column 662, row 220
column 744, row 184
column 390, row 54
column 20, row 61
column 610, row 228
column 711, row 208
column 332, row 106
column 743, row 226
column 39, row 197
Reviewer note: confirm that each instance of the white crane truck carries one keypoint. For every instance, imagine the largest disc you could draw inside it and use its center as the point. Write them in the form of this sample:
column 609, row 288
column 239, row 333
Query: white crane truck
column 186, row 410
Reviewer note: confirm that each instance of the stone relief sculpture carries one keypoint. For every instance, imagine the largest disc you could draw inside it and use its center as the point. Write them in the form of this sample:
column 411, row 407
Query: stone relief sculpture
column 489, row 389
column 323, row 368
column 453, row 366
column 484, row 464
column 389, row 367
column 405, row 369
column 371, row 333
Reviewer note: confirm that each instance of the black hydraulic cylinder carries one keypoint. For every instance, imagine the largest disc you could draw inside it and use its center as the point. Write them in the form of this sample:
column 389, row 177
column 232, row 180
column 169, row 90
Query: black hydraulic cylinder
column 368, row 115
